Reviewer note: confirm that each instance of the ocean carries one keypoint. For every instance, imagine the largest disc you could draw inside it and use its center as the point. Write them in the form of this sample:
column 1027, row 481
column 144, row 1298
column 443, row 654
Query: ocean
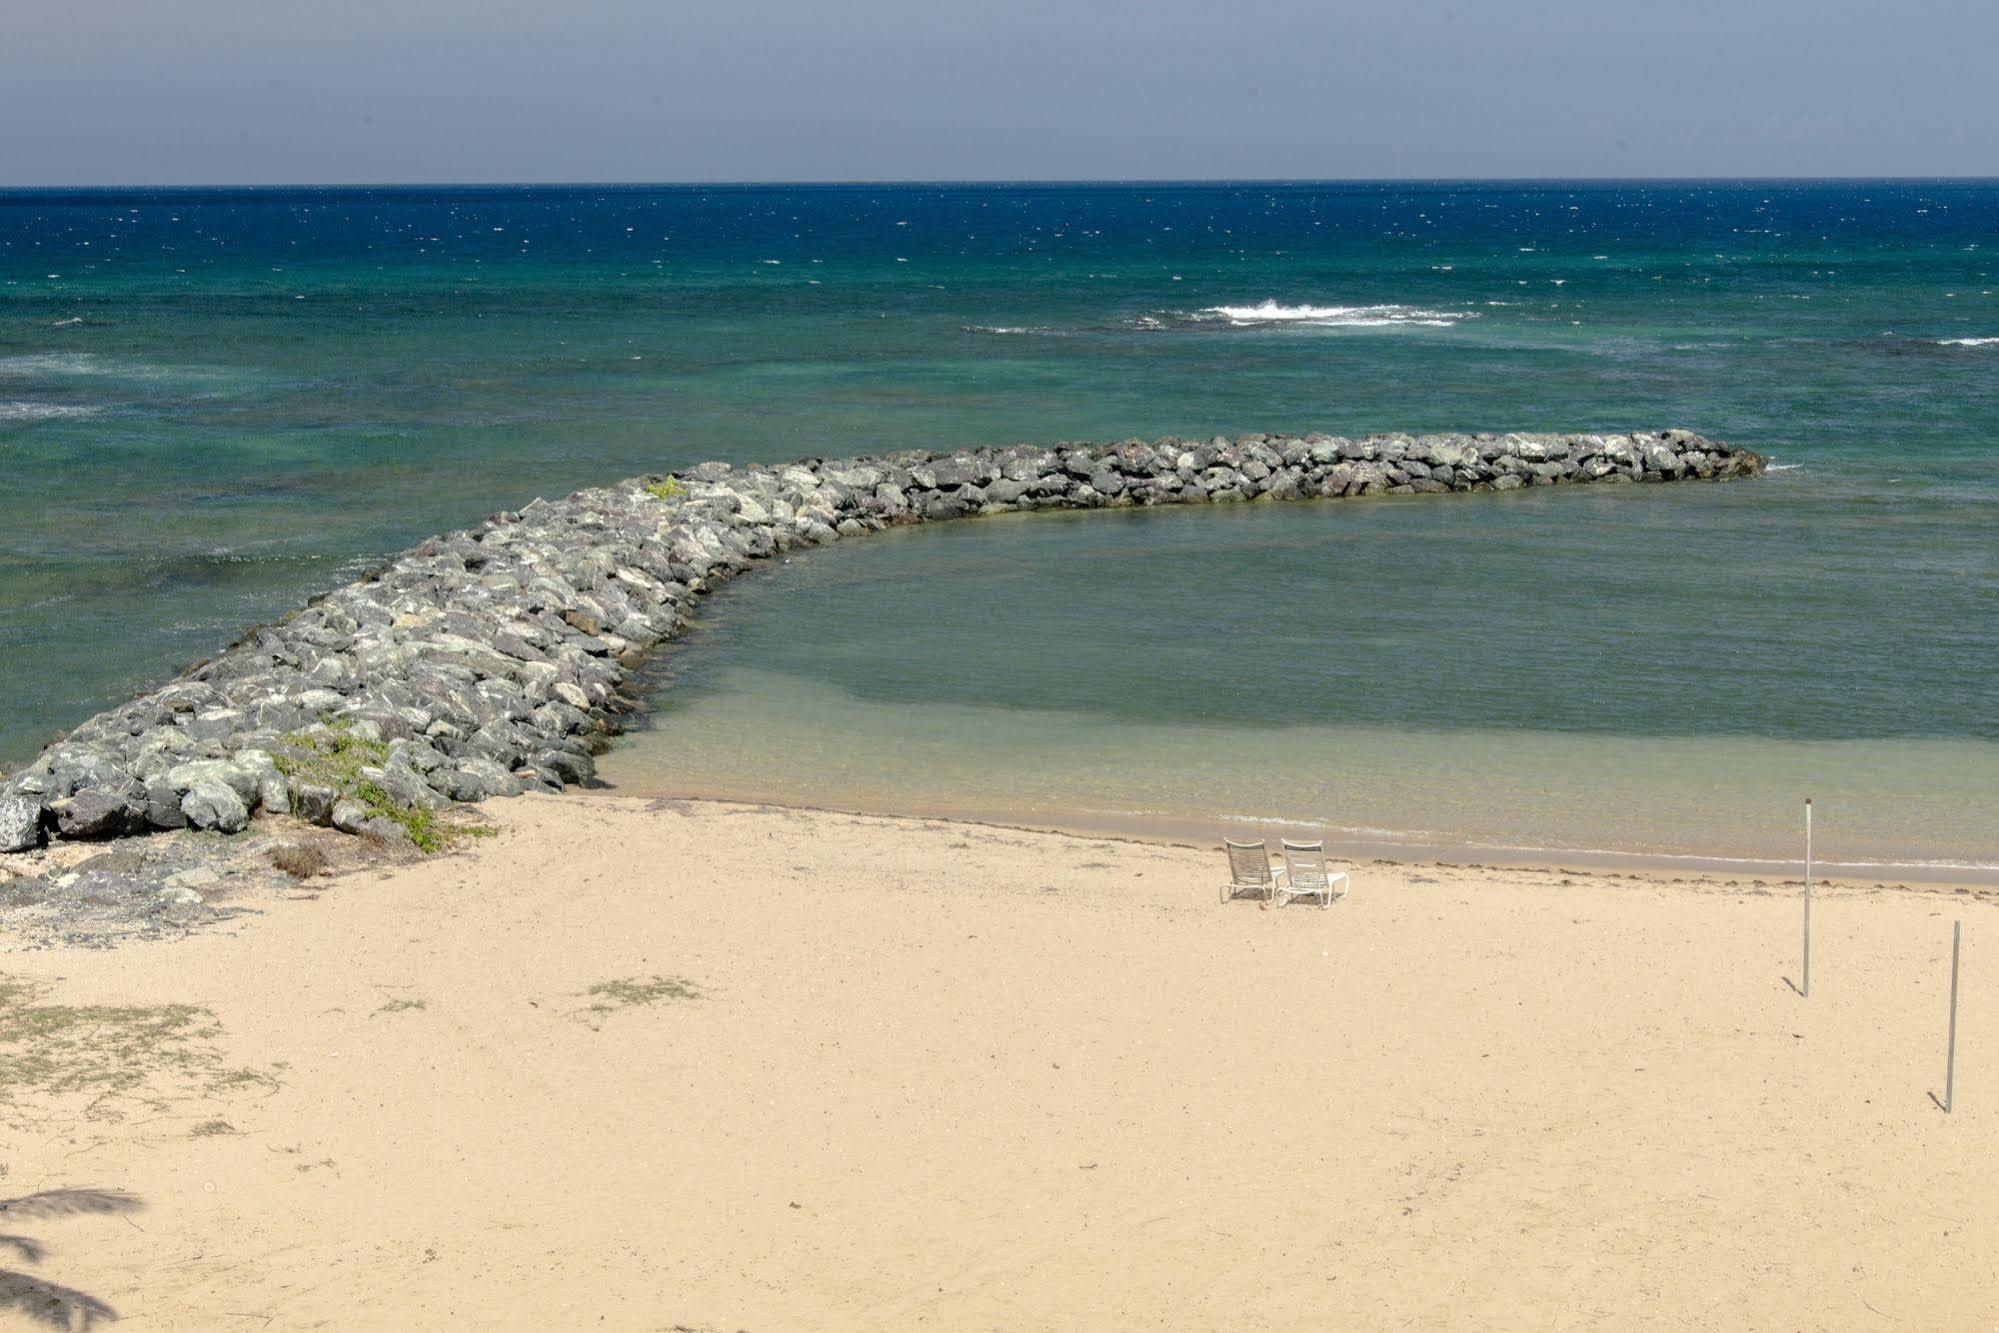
column 215, row 403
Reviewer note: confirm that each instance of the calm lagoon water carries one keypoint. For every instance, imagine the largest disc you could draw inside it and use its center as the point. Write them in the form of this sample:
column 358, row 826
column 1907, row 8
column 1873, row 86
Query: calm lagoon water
column 213, row 404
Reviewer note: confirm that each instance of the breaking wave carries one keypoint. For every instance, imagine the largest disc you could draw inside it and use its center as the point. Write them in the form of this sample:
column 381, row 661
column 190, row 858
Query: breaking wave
column 73, row 363
column 19, row 411
column 1271, row 314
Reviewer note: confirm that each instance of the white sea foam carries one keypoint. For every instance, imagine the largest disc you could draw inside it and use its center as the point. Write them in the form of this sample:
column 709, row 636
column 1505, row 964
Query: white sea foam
column 1968, row 342
column 1006, row 328
column 21, row 411
column 42, row 365
column 66, row 323
column 1333, row 316
column 53, row 363
column 65, row 365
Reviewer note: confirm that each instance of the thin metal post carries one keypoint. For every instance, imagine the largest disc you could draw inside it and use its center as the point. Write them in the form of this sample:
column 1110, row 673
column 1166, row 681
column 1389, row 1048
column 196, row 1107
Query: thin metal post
column 1806, row 988
column 1950, row 1048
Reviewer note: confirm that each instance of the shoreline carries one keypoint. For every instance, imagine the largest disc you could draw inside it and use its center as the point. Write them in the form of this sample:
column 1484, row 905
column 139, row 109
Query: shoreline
column 187, row 885
column 1193, row 833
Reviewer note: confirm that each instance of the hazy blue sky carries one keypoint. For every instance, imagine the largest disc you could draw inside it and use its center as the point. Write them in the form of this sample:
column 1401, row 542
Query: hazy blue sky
column 188, row 91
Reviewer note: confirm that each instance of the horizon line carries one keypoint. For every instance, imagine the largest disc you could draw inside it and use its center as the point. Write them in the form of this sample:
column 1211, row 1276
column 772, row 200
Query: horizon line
column 1133, row 182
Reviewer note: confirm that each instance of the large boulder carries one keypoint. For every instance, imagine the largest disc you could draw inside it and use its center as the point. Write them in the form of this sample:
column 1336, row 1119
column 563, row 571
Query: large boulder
column 212, row 804
column 1660, row 458
column 100, row 812
column 313, row 801
column 240, row 777
column 163, row 803
column 471, row 778
column 403, row 785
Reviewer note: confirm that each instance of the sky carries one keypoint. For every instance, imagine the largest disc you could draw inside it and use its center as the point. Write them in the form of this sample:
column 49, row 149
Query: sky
column 149, row 92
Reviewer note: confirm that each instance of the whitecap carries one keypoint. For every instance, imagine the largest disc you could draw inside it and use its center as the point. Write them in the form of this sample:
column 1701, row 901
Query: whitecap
column 71, row 322
column 46, row 365
column 53, row 363
column 22, row 411
column 43, row 364
column 1967, row 342
column 1332, row 316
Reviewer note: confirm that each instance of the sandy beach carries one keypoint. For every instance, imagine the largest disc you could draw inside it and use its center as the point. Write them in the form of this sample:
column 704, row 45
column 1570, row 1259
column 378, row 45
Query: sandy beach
column 700, row 1066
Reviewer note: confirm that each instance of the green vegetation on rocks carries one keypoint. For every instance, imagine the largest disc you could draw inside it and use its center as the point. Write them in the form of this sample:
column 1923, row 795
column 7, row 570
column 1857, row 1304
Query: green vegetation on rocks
column 333, row 758
column 339, row 758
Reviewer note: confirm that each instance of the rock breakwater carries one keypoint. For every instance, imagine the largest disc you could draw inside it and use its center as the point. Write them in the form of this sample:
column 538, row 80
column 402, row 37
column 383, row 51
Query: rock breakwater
column 496, row 660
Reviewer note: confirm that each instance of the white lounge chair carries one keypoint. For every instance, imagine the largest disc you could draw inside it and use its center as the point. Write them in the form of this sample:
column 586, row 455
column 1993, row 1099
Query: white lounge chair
column 1306, row 876
column 1249, row 871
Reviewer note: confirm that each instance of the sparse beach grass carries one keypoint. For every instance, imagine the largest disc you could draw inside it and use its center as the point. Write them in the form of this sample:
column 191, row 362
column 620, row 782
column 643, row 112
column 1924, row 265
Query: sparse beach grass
column 608, row 997
column 105, row 1061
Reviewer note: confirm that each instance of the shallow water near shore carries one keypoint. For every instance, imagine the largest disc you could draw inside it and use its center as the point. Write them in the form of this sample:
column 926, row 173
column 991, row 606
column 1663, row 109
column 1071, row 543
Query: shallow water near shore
column 216, row 403
column 1598, row 689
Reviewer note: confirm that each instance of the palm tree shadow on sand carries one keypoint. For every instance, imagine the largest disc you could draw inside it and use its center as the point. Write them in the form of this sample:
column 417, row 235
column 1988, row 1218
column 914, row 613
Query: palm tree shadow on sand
column 50, row 1303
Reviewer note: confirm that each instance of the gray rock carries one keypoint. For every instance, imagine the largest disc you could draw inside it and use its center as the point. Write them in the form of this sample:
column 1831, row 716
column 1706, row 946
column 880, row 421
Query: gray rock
column 1660, row 458
column 101, row 887
column 212, row 804
column 98, row 812
column 474, row 779
column 953, row 473
column 163, row 803
column 20, row 824
column 405, row 786
column 313, row 801
column 571, row 768
column 241, row 779
column 274, row 794
column 351, row 816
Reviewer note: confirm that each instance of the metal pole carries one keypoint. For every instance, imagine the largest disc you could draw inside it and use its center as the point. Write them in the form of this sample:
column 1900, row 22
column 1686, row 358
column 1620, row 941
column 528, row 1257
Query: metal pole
column 1950, row 1049
column 1806, row 989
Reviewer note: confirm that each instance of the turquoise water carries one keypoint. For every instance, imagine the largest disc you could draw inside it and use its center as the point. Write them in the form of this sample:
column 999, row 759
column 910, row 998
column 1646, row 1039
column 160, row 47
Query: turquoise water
column 213, row 404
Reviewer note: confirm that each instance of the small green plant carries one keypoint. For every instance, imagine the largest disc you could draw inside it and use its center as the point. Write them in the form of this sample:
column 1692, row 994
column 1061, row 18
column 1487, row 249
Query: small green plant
column 334, row 759
column 337, row 758
column 426, row 832
column 666, row 490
